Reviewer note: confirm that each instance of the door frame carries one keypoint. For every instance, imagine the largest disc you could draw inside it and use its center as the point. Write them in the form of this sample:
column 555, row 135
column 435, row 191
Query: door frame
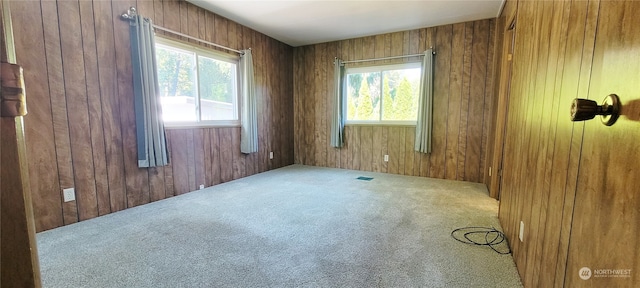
column 502, row 111
column 19, row 265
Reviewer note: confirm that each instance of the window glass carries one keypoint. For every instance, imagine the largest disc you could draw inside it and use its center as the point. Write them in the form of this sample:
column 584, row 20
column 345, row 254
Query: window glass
column 383, row 94
column 196, row 86
column 217, row 89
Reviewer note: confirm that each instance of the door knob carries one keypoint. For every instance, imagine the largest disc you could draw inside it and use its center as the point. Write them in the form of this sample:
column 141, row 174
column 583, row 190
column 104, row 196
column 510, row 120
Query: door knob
column 585, row 109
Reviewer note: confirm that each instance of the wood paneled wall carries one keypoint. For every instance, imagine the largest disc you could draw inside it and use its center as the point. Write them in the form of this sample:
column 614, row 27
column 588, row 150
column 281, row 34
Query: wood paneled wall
column 462, row 111
column 80, row 129
column 571, row 184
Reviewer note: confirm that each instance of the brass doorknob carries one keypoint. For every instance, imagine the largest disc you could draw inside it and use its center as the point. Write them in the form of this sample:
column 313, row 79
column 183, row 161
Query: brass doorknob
column 585, row 109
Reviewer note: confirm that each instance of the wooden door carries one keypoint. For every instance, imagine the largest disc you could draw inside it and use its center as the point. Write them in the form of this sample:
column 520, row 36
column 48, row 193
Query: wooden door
column 502, row 109
column 18, row 254
column 605, row 232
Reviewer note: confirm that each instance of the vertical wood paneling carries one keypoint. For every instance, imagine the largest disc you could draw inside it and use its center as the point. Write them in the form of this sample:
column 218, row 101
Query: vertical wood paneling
column 561, row 178
column 394, row 146
column 455, row 95
column 591, row 10
column 476, row 101
column 59, row 108
column 606, row 202
column 78, row 110
column 321, row 92
column 226, row 155
column 379, row 143
column 199, row 158
column 462, row 78
column 489, row 107
column 262, row 80
column 179, row 161
column 366, row 148
column 39, row 134
column 401, row 149
column 207, row 157
column 169, row 189
column 94, row 103
column 441, row 99
column 356, row 151
column 409, row 152
column 309, row 115
column 298, row 105
column 560, row 153
column 104, row 29
column 238, row 157
column 81, row 128
column 216, row 166
column 464, row 103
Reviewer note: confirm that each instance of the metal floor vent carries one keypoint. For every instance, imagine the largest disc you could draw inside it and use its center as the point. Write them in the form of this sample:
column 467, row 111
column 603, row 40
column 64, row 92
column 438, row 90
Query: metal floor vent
column 365, row 178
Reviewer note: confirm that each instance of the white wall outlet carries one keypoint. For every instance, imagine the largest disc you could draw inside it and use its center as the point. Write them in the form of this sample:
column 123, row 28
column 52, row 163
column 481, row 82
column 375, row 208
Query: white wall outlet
column 521, row 235
column 489, row 171
column 69, row 194
column 270, row 155
column 386, row 158
column 201, row 186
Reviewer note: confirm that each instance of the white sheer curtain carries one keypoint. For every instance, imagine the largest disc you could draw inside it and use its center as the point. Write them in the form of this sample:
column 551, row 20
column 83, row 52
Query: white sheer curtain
column 249, row 115
column 425, row 108
column 150, row 134
column 337, row 117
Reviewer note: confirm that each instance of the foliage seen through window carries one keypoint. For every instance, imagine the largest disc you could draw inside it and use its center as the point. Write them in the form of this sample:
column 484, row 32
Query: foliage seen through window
column 383, row 93
column 195, row 86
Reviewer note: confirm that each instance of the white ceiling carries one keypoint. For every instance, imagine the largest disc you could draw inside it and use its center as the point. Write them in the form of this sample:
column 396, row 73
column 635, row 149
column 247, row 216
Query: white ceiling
column 303, row 22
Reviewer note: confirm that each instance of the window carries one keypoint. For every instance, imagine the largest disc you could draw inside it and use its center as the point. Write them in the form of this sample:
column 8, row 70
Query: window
column 197, row 86
column 383, row 94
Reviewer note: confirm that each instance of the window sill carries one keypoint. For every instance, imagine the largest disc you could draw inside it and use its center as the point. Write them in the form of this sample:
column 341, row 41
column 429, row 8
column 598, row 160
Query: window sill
column 223, row 124
column 382, row 124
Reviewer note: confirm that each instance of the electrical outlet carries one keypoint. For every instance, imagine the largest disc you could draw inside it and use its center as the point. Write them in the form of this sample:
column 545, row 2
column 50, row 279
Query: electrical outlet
column 201, row 186
column 521, row 235
column 69, row 194
column 489, row 171
column 270, row 155
column 386, row 158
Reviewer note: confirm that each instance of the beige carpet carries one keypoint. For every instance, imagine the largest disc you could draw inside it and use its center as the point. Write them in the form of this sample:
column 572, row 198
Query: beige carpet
column 297, row 226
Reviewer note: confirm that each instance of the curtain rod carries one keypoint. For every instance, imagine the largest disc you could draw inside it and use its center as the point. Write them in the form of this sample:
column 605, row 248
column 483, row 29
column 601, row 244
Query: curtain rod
column 131, row 13
column 385, row 58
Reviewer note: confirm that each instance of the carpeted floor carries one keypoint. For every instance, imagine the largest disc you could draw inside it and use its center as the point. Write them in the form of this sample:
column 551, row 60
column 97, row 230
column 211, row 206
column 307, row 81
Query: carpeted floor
column 297, row 226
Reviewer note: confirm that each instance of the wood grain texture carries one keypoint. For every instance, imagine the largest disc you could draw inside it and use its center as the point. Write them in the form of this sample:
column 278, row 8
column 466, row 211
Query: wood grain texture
column 562, row 179
column 365, row 146
column 59, row 108
column 455, row 96
column 81, row 128
column 39, row 130
column 504, row 46
column 110, row 104
column 442, row 68
column 94, row 104
column 19, row 251
column 606, row 202
column 78, row 110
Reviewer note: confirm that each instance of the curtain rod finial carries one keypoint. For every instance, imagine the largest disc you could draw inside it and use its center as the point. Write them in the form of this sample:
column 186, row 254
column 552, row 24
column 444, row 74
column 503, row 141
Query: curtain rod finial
column 130, row 14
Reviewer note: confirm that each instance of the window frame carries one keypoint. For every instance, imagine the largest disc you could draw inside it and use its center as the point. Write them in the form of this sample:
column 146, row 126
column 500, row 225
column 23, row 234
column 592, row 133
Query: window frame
column 213, row 54
column 377, row 68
